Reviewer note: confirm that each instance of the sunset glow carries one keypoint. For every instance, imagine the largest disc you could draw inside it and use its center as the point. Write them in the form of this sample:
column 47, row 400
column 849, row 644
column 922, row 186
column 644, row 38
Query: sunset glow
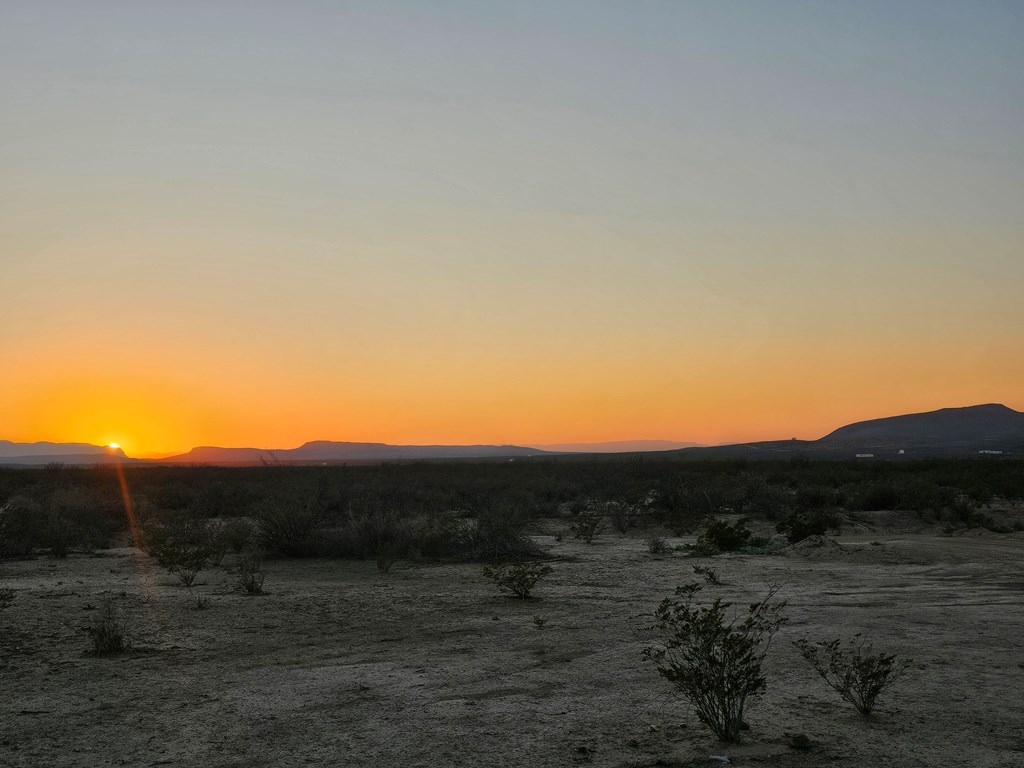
column 505, row 223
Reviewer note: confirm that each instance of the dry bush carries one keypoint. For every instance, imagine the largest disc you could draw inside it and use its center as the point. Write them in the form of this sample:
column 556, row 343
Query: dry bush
column 854, row 671
column 713, row 660
column 658, row 545
column 588, row 526
column 291, row 527
column 250, row 573
column 6, row 597
column 108, row 631
column 710, row 574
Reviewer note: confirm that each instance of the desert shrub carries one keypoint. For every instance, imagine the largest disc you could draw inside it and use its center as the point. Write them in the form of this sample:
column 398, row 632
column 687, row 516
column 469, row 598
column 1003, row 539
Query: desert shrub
column 683, row 508
column 108, row 632
column 519, row 579
column 216, row 540
column 658, row 545
column 724, row 536
column 57, row 534
column 498, row 531
column 199, row 601
column 387, row 555
column 237, row 533
column 6, row 597
column 588, row 526
column 854, row 670
column 710, row 574
column 250, row 573
column 290, row 526
column 20, row 526
column 183, row 560
column 713, row 660
column 815, row 497
column 757, row 541
column 797, row 526
column 762, row 499
column 877, row 496
column 963, row 509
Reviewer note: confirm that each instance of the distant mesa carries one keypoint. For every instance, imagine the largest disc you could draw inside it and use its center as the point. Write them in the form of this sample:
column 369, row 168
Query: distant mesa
column 979, row 430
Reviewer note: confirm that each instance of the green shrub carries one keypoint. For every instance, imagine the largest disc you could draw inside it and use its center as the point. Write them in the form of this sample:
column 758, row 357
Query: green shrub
column 713, row 660
column 724, row 536
column 519, row 579
column 854, row 671
column 183, row 560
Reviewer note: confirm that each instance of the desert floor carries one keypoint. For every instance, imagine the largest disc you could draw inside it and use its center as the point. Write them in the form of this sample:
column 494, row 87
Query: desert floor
column 340, row 665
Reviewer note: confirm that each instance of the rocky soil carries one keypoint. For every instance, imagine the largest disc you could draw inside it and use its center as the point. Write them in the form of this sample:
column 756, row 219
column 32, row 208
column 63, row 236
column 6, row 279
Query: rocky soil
column 340, row 665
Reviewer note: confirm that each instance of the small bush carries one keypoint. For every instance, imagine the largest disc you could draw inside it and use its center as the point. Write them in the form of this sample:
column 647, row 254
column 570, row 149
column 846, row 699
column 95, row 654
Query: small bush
column 724, row 536
column 520, row 579
column 854, row 671
column 713, row 660
column 108, row 631
column 588, row 526
column 6, row 597
column 250, row 573
column 183, row 560
column 658, row 545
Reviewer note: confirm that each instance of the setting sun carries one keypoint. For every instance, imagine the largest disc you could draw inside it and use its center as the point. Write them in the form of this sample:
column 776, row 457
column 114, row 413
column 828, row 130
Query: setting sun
column 115, row 446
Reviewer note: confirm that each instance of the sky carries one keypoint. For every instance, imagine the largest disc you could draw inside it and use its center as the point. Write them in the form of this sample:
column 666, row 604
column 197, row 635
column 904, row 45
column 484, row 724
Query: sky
column 261, row 223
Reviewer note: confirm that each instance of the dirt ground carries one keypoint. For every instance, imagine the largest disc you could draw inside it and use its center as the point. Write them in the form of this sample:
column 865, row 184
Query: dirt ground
column 340, row 665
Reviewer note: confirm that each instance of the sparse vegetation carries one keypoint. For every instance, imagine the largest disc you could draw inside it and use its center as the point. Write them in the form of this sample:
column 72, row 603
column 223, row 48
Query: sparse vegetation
column 519, row 579
column 6, row 597
column 854, row 670
column 714, row 660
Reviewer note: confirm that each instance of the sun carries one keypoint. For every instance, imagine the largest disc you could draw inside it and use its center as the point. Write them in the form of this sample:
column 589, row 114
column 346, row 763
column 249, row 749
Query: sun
column 114, row 446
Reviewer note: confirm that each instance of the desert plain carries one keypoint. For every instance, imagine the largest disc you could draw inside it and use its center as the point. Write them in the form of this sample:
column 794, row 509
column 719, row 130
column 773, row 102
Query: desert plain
column 429, row 665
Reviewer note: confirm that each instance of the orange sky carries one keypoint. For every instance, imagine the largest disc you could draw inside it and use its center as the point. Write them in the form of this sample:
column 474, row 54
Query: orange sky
column 504, row 223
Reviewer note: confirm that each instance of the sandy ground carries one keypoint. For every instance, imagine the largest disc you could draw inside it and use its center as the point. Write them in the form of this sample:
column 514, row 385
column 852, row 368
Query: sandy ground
column 428, row 666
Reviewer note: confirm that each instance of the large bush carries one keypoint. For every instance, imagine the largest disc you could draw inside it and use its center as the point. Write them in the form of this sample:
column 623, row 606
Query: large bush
column 723, row 536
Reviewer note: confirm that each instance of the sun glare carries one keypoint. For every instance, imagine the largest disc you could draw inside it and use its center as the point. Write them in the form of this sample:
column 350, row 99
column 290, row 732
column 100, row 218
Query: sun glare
column 115, row 446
